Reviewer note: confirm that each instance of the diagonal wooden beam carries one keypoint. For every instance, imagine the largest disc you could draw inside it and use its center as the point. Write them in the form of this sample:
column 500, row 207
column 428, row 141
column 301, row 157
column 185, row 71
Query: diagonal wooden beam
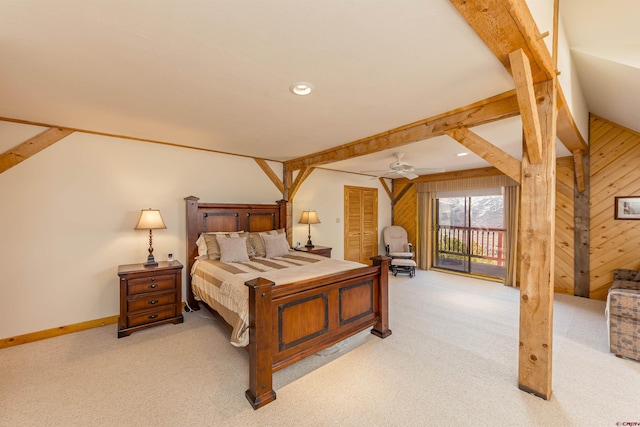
column 486, row 111
column 521, row 70
column 503, row 161
column 567, row 130
column 402, row 192
column 302, row 175
column 386, row 188
column 578, row 167
column 32, row 146
column 271, row 174
column 507, row 25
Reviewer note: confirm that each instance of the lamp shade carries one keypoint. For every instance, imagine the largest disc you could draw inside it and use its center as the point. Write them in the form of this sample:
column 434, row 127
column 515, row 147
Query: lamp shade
column 150, row 219
column 309, row 217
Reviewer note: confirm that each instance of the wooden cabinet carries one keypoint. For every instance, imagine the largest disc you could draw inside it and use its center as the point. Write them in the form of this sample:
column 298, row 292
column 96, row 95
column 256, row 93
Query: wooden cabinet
column 318, row 250
column 149, row 296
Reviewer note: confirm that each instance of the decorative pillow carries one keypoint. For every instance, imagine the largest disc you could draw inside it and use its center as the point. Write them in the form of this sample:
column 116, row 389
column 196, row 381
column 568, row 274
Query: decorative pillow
column 258, row 245
column 275, row 245
column 208, row 244
column 232, row 249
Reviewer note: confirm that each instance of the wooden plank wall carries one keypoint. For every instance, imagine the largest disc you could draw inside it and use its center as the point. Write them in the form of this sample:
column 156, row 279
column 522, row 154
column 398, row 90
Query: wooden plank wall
column 564, row 249
column 615, row 161
column 405, row 213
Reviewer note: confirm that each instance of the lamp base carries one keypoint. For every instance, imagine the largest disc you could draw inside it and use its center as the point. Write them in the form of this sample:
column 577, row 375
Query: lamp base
column 151, row 262
column 309, row 244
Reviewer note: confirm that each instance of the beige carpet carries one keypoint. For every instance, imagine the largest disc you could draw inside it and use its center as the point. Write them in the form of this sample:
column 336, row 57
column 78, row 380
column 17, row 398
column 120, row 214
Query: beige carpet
column 451, row 361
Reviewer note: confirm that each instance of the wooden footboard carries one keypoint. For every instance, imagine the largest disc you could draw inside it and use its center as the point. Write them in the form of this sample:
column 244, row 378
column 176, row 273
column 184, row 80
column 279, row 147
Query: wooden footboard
column 290, row 322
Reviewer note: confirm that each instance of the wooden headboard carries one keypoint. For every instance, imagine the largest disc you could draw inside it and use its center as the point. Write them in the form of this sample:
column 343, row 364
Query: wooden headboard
column 208, row 217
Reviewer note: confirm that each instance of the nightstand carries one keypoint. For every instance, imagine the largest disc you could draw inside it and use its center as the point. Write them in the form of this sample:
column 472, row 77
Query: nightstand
column 149, row 296
column 318, row 250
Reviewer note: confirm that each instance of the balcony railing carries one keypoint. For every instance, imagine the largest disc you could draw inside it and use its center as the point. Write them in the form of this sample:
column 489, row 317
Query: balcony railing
column 484, row 245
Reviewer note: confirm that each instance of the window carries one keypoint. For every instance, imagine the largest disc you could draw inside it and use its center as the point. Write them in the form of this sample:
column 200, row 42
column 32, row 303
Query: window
column 470, row 232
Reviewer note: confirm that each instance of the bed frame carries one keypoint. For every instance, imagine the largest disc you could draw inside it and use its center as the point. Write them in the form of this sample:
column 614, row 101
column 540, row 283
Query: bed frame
column 290, row 322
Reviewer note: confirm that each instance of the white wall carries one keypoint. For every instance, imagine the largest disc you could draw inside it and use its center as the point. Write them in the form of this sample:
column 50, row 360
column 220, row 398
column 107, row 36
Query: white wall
column 323, row 191
column 67, row 218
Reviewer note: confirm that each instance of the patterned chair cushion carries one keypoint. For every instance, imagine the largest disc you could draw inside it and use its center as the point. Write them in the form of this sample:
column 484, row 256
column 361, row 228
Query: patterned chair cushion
column 624, row 299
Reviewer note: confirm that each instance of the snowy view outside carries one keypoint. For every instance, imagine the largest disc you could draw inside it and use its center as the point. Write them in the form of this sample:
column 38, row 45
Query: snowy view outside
column 486, row 211
column 471, row 235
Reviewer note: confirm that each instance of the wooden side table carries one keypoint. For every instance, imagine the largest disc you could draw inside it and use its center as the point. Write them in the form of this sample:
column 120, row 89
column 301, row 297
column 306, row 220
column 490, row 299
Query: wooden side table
column 149, row 296
column 325, row 251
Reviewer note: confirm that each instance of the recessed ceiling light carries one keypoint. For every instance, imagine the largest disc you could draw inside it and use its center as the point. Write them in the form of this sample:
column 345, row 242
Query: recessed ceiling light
column 462, row 154
column 302, row 88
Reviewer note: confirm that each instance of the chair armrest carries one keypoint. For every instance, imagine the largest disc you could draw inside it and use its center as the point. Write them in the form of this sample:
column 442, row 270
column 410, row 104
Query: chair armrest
column 410, row 246
column 386, row 247
column 624, row 274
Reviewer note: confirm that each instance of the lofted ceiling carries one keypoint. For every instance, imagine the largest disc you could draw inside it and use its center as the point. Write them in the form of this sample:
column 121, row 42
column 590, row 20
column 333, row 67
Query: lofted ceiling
column 216, row 74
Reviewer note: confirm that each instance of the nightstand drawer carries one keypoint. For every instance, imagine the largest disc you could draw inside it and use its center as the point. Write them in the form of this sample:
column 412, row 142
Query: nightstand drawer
column 149, row 296
column 151, row 284
column 151, row 316
column 150, row 302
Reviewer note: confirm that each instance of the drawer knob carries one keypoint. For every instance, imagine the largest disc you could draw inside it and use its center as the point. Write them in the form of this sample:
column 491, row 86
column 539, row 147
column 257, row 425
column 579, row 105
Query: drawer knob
column 155, row 285
column 153, row 301
column 153, row 316
column 153, row 279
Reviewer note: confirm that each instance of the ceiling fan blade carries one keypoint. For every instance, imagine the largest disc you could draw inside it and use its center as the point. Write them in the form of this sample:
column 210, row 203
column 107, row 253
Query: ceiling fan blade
column 377, row 171
column 423, row 171
column 410, row 175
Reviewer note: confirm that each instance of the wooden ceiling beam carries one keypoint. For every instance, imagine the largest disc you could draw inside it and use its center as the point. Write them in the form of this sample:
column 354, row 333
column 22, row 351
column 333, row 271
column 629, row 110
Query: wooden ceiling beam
column 486, row 111
column 507, row 25
column 32, row 146
column 566, row 129
column 503, row 161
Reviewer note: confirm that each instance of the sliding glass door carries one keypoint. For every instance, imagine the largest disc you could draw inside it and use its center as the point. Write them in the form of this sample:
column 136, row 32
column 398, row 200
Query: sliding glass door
column 470, row 234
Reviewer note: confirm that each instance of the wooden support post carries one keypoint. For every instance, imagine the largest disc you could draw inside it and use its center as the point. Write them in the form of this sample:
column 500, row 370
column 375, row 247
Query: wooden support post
column 287, row 180
column 260, row 390
column 537, row 232
column 381, row 328
column 581, row 233
column 578, row 167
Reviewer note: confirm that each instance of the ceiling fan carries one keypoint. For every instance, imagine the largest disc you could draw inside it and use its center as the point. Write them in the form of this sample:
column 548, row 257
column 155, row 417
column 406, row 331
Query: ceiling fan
column 402, row 169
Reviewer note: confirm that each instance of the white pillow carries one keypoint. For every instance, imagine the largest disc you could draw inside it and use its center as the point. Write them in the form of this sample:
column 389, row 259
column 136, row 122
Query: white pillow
column 232, row 249
column 275, row 245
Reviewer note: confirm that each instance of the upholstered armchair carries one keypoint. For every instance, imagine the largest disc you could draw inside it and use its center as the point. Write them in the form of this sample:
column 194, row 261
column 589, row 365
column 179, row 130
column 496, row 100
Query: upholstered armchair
column 398, row 248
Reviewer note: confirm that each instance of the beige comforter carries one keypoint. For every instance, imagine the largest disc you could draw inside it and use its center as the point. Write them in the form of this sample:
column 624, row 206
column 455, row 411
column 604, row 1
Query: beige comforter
column 221, row 285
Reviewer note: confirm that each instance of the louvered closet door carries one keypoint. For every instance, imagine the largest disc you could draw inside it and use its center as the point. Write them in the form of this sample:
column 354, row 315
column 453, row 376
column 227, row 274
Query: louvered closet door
column 361, row 223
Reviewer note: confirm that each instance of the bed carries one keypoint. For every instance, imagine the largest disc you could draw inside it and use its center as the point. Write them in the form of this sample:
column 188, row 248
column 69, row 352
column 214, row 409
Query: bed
column 287, row 321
